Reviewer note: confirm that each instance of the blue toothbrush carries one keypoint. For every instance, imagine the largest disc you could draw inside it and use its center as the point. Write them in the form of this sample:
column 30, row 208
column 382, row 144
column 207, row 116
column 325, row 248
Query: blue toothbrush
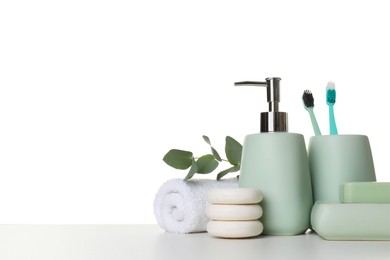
column 331, row 100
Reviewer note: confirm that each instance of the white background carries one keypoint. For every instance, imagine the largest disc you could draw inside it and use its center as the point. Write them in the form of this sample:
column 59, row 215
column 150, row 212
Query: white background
column 94, row 93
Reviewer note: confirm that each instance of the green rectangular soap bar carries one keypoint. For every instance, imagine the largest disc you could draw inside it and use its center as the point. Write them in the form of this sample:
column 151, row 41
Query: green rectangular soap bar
column 365, row 192
column 351, row 221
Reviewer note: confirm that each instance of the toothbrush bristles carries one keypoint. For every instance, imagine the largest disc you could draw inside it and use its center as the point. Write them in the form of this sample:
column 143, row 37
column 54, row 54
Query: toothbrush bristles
column 330, row 93
column 308, row 99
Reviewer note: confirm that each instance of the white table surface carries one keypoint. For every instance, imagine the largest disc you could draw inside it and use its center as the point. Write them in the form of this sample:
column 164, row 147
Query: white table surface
column 145, row 242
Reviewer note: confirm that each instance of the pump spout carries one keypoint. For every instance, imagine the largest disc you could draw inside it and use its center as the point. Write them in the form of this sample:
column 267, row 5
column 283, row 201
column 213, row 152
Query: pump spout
column 273, row 120
column 251, row 83
column 273, row 91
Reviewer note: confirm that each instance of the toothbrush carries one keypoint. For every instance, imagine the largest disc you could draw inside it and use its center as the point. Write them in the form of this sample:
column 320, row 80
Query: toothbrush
column 308, row 101
column 331, row 100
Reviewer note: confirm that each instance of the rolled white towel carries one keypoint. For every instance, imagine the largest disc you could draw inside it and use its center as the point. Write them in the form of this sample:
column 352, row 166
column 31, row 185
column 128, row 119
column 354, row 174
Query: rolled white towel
column 180, row 206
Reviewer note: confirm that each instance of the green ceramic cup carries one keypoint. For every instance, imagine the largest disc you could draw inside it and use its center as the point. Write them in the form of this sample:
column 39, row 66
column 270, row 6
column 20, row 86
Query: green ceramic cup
column 337, row 159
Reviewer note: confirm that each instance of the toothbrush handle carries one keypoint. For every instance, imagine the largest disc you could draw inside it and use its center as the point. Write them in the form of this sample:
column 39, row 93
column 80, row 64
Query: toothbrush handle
column 332, row 122
column 314, row 122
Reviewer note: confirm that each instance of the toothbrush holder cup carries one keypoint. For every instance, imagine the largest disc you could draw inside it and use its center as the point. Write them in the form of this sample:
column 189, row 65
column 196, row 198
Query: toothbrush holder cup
column 337, row 159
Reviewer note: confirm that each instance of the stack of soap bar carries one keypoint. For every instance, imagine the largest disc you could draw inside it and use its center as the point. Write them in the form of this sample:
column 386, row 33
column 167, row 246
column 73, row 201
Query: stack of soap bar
column 234, row 213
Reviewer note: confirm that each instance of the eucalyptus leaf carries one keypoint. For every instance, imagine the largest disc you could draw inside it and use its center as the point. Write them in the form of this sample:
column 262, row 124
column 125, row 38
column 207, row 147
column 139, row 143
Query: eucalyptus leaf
column 179, row 159
column 192, row 171
column 206, row 139
column 216, row 154
column 213, row 151
column 233, row 150
column 224, row 172
column 206, row 164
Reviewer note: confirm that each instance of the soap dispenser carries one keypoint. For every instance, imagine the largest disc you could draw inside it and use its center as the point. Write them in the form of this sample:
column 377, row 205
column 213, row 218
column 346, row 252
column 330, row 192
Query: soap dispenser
column 275, row 162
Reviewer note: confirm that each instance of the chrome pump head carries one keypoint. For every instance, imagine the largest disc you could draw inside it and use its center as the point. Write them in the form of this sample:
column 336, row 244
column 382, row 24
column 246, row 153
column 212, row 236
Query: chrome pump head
column 273, row 120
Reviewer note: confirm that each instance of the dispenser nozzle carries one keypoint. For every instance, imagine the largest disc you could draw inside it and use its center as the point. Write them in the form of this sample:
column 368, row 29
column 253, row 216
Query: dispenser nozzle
column 273, row 121
column 273, row 91
column 251, row 83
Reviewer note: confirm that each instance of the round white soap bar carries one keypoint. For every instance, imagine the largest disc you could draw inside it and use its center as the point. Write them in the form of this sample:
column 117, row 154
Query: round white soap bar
column 234, row 229
column 235, row 196
column 234, row 212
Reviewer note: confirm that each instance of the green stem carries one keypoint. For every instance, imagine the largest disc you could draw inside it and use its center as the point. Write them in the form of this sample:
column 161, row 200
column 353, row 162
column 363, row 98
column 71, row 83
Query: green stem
column 225, row 160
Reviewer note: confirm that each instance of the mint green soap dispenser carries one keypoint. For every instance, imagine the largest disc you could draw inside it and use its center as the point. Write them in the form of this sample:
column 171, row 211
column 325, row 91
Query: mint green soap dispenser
column 276, row 162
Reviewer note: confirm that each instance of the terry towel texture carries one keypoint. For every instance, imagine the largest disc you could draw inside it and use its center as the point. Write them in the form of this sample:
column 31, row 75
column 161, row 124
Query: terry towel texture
column 180, row 206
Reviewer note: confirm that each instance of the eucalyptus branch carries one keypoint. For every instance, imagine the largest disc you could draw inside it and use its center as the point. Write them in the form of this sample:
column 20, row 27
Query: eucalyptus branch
column 180, row 159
